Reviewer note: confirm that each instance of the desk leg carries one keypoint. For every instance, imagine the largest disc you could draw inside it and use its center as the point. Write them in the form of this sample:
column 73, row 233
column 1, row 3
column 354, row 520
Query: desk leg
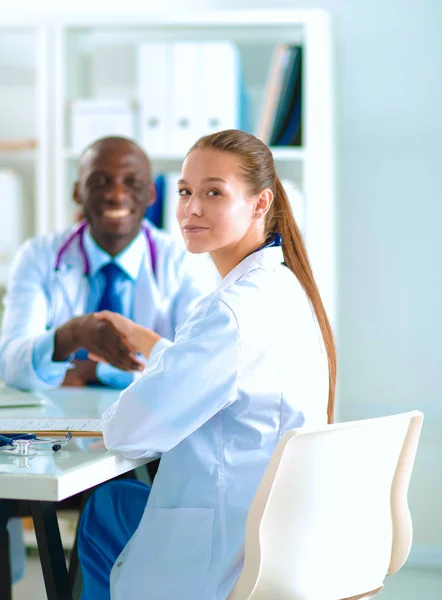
column 52, row 558
column 5, row 564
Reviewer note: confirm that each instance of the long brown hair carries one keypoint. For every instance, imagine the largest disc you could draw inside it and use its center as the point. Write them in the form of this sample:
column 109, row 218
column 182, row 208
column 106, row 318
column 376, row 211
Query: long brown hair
column 259, row 173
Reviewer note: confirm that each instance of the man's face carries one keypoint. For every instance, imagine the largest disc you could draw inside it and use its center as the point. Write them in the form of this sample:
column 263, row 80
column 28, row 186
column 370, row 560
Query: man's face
column 114, row 189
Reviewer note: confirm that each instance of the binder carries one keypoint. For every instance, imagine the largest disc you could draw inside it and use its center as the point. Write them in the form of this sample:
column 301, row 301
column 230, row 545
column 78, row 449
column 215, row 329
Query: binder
column 221, row 87
column 155, row 212
column 93, row 119
column 287, row 124
column 154, row 96
column 186, row 90
column 186, row 93
column 275, row 81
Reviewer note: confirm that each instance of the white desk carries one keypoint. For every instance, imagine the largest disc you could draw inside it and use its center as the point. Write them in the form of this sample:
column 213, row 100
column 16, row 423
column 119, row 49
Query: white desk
column 52, row 476
column 55, row 476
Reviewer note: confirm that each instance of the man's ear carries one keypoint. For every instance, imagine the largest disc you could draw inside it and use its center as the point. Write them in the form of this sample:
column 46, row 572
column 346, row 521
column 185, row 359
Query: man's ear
column 76, row 194
column 151, row 194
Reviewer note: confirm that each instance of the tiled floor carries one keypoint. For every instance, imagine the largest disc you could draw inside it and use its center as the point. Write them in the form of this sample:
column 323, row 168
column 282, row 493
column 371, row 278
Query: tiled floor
column 408, row 584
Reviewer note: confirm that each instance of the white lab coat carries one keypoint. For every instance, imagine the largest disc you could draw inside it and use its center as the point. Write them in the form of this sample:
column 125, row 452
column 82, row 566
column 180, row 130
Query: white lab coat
column 248, row 365
column 39, row 300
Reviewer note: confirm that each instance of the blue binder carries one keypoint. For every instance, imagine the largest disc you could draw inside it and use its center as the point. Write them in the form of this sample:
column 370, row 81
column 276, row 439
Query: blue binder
column 155, row 212
column 287, row 128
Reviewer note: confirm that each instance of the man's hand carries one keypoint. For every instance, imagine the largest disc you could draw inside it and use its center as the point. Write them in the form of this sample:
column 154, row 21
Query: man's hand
column 98, row 337
column 140, row 338
column 83, row 374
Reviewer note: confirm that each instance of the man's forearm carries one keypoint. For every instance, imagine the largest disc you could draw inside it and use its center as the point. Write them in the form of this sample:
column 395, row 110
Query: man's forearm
column 66, row 340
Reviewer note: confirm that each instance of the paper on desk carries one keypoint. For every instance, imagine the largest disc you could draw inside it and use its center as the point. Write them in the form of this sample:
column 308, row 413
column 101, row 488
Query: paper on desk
column 10, row 398
column 52, row 426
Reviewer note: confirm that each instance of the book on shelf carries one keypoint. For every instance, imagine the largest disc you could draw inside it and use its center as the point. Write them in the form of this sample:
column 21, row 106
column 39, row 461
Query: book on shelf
column 280, row 123
column 273, row 90
column 17, row 144
column 155, row 212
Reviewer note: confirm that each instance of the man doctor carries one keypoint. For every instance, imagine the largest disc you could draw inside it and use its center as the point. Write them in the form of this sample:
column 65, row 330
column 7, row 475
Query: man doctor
column 116, row 261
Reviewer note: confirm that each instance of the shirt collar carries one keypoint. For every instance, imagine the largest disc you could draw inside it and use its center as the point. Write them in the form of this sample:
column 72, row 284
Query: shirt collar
column 267, row 258
column 129, row 260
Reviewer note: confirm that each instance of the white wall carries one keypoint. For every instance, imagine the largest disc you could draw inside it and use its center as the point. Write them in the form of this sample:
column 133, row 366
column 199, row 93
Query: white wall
column 42, row 8
column 389, row 101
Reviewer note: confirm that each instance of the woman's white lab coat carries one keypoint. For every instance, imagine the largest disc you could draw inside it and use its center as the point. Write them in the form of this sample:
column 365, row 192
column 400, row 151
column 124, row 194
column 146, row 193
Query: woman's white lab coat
column 248, row 365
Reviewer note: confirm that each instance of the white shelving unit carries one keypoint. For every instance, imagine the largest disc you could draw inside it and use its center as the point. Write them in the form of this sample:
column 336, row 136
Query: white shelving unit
column 70, row 64
column 23, row 90
column 80, row 45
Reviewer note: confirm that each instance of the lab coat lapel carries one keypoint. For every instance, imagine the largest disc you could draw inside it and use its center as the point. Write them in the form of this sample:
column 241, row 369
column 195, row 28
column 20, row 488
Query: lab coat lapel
column 267, row 258
column 72, row 286
column 147, row 298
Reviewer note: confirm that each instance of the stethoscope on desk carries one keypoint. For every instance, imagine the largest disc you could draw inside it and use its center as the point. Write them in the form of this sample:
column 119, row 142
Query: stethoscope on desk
column 20, row 444
column 78, row 234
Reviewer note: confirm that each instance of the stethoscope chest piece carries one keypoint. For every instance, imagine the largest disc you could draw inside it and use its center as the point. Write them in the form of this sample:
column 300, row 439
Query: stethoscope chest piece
column 22, row 448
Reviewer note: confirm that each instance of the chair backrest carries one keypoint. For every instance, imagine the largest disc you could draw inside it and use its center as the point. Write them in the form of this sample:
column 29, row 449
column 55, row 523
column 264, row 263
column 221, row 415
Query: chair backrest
column 330, row 518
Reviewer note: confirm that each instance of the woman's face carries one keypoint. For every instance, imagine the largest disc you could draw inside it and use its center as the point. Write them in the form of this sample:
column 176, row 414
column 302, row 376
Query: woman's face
column 214, row 210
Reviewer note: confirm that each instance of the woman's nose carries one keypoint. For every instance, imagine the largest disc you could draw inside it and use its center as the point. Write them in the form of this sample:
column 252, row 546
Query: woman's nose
column 193, row 207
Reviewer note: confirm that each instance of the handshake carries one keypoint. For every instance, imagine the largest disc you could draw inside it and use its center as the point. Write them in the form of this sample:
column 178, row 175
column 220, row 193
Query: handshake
column 108, row 337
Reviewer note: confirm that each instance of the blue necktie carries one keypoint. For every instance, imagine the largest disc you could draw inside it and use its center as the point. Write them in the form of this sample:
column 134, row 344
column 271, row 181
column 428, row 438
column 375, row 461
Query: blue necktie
column 112, row 298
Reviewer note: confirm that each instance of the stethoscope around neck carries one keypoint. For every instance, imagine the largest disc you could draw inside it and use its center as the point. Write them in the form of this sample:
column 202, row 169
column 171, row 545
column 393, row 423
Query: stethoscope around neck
column 77, row 236
column 78, row 233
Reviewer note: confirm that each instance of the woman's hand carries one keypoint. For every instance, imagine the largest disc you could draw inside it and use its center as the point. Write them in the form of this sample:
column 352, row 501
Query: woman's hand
column 125, row 326
column 142, row 339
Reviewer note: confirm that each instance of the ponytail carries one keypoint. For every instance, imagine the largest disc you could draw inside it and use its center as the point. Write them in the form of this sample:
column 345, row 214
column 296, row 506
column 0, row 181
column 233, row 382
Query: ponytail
column 258, row 171
column 281, row 220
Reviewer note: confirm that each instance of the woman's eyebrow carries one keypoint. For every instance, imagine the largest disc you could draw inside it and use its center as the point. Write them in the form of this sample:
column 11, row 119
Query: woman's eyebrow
column 205, row 180
column 213, row 179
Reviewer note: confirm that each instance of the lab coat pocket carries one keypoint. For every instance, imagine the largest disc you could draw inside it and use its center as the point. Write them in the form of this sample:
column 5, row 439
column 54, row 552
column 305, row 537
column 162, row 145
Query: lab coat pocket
column 169, row 554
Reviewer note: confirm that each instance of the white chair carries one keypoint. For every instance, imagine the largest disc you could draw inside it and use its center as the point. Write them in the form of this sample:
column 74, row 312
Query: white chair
column 330, row 518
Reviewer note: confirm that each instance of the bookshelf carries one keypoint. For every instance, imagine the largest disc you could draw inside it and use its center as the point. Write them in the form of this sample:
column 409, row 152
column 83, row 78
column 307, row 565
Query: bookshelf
column 80, row 58
column 81, row 46
column 23, row 133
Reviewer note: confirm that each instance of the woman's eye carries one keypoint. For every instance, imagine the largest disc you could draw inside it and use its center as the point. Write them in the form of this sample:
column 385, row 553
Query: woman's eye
column 214, row 193
column 183, row 192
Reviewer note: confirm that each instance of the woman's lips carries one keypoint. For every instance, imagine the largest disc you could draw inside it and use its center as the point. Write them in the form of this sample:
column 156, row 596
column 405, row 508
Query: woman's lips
column 193, row 230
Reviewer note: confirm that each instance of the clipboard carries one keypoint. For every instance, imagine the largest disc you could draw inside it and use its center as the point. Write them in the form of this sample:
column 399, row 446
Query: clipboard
column 52, row 427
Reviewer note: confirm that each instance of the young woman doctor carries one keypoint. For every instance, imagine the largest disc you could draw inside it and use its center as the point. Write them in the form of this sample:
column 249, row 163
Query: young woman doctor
column 255, row 359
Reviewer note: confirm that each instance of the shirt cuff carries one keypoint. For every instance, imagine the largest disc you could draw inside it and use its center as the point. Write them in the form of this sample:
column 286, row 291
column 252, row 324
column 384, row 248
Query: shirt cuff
column 113, row 377
column 160, row 345
column 157, row 348
column 46, row 369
